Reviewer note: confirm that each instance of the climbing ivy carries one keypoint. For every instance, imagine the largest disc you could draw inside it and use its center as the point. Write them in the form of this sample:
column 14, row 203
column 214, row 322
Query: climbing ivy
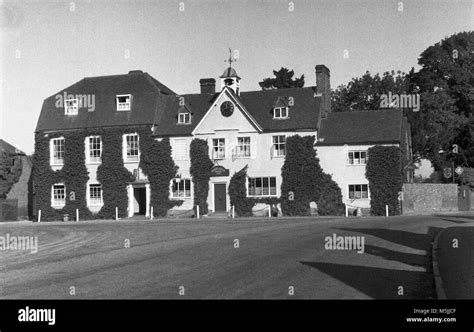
column 200, row 171
column 156, row 162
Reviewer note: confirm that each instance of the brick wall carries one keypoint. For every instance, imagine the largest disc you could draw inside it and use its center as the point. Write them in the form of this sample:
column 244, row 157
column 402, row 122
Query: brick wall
column 429, row 197
column 20, row 189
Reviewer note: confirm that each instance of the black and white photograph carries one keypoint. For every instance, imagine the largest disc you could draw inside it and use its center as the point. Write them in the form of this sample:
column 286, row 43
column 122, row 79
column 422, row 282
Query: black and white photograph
column 314, row 159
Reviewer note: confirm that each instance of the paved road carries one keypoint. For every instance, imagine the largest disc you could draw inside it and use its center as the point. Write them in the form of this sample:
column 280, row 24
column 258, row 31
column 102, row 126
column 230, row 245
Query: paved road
column 273, row 258
column 455, row 255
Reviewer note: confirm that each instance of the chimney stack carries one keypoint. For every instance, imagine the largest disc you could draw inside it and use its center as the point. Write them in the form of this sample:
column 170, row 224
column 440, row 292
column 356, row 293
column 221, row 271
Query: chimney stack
column 323, row 88
column 208, row 85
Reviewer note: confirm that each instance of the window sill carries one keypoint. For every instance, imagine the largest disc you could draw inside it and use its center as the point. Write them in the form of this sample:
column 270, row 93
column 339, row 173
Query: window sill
column 58, row 206
column 94, row 163
column 356, row 164
column 131, row 161
column 179, row 198
column 263, row 196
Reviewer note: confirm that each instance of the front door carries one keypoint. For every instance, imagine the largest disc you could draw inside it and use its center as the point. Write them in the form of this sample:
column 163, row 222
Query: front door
column 220, row 197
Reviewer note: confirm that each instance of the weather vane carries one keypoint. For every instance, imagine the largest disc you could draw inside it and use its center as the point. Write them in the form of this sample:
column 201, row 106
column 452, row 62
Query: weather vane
column 231, row 59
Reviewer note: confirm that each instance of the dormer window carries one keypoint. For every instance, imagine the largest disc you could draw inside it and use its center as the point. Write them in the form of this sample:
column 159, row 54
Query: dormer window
column 280, row 113
column 184, row 118
column 123, row 102
column 71, row 106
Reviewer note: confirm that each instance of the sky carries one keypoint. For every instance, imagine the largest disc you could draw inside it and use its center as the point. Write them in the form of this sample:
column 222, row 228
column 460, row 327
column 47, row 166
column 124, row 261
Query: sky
column 47, row 46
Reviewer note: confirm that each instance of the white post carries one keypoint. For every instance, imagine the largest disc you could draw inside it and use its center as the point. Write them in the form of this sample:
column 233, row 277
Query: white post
column 197, row 211
column 77, row 215
column 39, row 215
column 347, row 211
column 116, row 213
column 151, row 212
column 269, row 211
column 233, row 211
column 386, row 210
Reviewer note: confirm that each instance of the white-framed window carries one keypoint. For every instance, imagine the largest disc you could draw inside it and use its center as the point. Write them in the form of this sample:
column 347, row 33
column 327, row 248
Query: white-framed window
column 279, row 146
column 262, row 186
column 184, row 118
column 180, row 149
column 124, row 102
column 71, row 106
column 57, row 151
column 218, row 148
column 95, row 194
column 181, row 188
column 358, row 191
column 243, row 147
column 58, row 195
column 132, row 149
column 280, row 112
column 94, row 149
column 357, row 157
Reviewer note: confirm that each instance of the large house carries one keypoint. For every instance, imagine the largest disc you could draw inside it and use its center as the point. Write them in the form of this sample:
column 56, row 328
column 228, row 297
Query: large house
column 241, row 128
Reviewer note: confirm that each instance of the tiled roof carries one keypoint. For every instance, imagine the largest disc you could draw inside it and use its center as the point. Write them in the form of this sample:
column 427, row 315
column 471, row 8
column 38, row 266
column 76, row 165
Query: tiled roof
column 303, row 115
column 8, row 148
column 147, row 96
column 361, row 127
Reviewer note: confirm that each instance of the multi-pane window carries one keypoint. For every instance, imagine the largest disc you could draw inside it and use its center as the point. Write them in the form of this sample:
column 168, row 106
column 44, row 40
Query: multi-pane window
column 218, row 148
column 181, row 188
column 280, row 112
column 95, row 194
column 243, row 147
column 357, row 157
column 279, row 146
column 95, row 149
column 132, row 151
column 58, row 195
column 358, row 191
column 71, row 106
column 184, row 118
column 57, row 151
column 262, row 186
column 180, row 149
column 123, row 102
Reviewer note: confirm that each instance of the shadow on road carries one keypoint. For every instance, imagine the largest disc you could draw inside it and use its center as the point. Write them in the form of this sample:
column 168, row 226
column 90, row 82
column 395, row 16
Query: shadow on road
column 403, row 257
column 380, row 283
column 404, row 238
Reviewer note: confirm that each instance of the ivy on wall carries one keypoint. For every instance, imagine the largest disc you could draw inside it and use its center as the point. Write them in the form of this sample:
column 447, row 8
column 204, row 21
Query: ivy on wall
column 112, row 174
column 304, row 181
column 238, row 194
column 73, row 174
column 200, row 171
column 385, row 179
column 157, row 164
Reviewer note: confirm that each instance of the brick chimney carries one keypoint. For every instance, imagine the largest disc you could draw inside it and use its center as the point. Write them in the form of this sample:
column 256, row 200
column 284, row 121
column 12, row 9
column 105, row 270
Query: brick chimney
column 208, row 85
column 323, row 88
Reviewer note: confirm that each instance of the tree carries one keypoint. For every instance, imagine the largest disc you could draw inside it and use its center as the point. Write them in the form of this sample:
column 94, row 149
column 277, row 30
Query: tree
column 365, row 93
column 448, row 66
column 283, row 79
column 200, row 172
